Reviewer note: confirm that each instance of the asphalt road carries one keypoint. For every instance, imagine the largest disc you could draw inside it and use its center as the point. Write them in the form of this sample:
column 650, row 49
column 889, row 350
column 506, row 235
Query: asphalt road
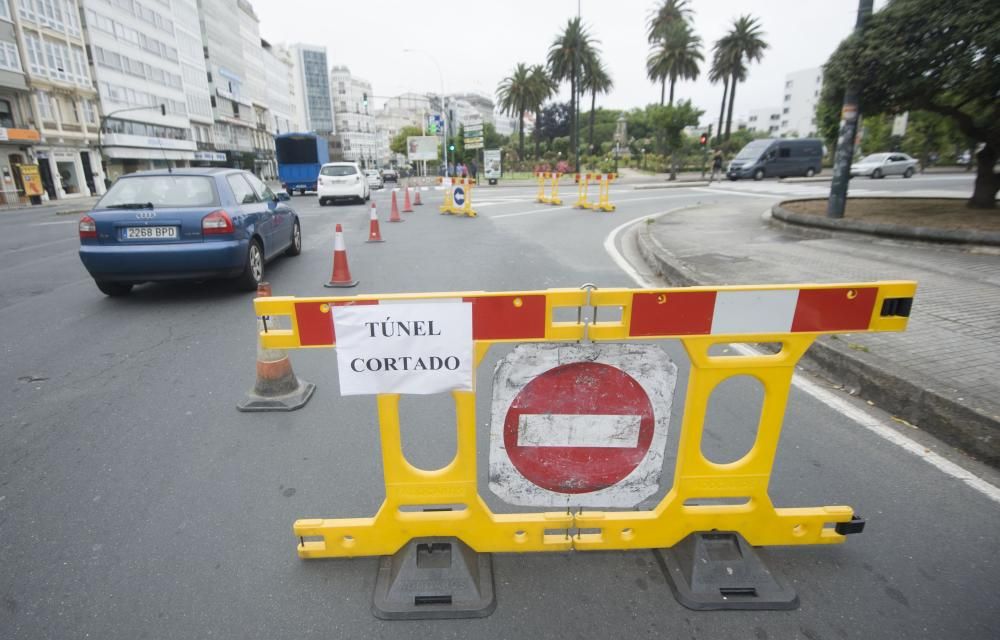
column 136, row 502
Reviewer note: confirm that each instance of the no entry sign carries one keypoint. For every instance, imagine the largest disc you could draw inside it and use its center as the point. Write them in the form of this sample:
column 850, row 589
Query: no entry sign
column 577, row 425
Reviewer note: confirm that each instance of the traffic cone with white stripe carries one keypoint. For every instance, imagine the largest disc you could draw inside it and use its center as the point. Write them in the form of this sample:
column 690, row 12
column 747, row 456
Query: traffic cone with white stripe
column 407, row 207
column 374, row 235
column 341, row 277
column 416, row 197
column 394, row 215
column 276, row 388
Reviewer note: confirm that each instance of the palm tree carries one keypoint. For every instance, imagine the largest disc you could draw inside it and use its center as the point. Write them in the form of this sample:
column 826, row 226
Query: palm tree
column 542, row 88
column 724, row 67
column 675, row 56
column 668, row 13
column 595, row 79
column 514, row 98
column 568, row 50
column 745, row 41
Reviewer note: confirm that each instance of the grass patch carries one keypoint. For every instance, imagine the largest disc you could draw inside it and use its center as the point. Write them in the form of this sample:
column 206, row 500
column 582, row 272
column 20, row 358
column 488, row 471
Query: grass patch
column 936, row 213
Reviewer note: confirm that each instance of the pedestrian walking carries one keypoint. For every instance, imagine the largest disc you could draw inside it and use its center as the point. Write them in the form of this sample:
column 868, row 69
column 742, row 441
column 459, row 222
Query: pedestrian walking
column 451, row 170
column 473, row 169
column 716, row 166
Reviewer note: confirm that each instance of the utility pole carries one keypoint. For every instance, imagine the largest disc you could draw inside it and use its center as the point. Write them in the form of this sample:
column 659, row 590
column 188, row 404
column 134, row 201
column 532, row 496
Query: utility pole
column 849, row 116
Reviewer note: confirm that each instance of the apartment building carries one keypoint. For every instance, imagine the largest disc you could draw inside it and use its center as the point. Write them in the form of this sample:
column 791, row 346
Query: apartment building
column 798, row 111
column 766, row 120
column 352, row 115
column 18, row 134
column 312, row 88
column 62, row 102
column 139, row 75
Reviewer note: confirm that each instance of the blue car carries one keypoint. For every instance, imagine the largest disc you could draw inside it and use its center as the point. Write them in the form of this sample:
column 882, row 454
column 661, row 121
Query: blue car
column 186, row 224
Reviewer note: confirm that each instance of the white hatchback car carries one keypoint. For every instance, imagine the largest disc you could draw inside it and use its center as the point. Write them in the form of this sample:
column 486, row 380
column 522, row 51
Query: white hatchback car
column 341, row 180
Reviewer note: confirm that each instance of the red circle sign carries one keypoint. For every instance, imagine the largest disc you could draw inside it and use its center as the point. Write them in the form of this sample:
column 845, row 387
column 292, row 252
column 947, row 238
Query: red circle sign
column 562, row 453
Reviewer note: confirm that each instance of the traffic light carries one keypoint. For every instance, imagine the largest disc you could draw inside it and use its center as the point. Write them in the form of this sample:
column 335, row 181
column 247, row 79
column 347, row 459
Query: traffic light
column 451, row 147
column 703, row 140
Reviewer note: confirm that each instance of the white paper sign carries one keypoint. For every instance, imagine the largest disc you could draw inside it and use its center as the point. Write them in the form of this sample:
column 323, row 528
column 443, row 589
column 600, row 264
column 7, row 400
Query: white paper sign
column 418, row 348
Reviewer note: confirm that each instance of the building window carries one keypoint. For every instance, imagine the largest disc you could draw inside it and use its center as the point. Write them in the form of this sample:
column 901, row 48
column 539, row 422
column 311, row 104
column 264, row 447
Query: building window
column 45, row 106
column 89, row 113
column 9, row 58
column 6, row 114
column 788, row 84
column 5, row 9
column 788, row 97
column 784, row 123
column 785, row 110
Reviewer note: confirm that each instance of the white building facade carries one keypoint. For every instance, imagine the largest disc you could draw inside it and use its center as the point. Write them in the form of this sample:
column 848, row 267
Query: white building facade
column 798, row 110
column 137, row 67
column 352, row 115
column 16, row 117
column 766, row 120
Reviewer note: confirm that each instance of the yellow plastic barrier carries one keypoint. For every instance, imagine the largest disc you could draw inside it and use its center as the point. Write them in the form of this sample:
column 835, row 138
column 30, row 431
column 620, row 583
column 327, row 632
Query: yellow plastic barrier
column 582, row 185
column 541, row 176
column 694, row 316
column 603, row 197
column 554, row 198
column 447, row 206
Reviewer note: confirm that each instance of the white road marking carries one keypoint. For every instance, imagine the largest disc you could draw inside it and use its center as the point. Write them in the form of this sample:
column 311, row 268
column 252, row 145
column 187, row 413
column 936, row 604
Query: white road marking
column 526, row 213
column 45, row 224
column 830, row 399
column 614, row 431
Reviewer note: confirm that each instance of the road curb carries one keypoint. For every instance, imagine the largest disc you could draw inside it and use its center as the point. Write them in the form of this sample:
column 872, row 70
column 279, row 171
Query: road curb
column 673, row 185
column 884, row 229
column 813, row 179
column 909, row 396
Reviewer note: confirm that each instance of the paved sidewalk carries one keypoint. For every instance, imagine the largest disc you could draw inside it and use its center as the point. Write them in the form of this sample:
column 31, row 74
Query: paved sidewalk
column 941, row 374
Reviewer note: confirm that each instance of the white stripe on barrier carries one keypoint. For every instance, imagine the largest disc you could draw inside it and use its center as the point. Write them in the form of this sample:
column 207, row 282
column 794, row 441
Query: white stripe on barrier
column 578, row 430
column 754, row 311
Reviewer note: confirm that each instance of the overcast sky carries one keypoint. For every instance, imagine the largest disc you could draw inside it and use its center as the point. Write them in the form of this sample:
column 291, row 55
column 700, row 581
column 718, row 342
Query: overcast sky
column 477, row 43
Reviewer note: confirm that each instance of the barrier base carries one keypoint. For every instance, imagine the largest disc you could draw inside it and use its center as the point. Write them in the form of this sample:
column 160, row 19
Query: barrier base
column 721, row 571
column 284, row 402
column 434, row 578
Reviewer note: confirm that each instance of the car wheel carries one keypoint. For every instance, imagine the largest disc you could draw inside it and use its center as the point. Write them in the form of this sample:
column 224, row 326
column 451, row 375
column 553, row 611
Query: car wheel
column 290, row 192
column 908, row 173
column 322, row 202
column 758, row 174
column 876, row 174
column 295, row 248
column 368, row 196
column 253, row 270
column 114, row 289
column 302, row 192
column 810, row 172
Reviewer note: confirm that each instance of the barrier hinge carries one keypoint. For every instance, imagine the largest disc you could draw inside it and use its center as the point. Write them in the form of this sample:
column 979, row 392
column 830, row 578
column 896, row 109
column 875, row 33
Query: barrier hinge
column 856, row 525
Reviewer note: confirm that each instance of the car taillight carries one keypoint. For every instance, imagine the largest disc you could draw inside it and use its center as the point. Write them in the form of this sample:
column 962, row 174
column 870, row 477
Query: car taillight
column 217, row 222
column 88, row 228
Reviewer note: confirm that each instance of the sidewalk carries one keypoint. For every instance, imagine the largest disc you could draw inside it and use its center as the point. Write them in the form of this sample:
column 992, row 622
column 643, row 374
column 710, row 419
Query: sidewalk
column 55, row 206
column 941, row 375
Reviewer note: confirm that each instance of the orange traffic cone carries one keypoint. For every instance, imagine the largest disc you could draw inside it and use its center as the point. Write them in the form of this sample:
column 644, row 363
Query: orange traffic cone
column 416, row 197
column 407, row 207
column 374, row 235
column 341, row 277
column 277, row 388
column 394, row 215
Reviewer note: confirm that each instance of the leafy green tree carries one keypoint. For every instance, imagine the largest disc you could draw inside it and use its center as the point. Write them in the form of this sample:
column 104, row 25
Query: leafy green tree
column 938, row 57
column 398, row 144
column 744, row 42
column 595, row 79
column 669, row 123
column 514, row 97
column 675, row 56
column 542, row 88
column 566, row 53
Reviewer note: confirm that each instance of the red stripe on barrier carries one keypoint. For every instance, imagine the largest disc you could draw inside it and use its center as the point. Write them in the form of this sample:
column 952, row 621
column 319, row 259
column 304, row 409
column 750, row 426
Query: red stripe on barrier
column 315, row 327
column 834, row 309
column 672, row 314
column 501, row 318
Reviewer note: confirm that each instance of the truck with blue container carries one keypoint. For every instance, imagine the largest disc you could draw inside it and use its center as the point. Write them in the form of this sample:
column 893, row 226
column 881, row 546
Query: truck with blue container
column 300, row 157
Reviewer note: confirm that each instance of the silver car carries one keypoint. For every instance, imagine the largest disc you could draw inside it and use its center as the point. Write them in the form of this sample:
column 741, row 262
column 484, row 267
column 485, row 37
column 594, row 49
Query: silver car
column 880, row 165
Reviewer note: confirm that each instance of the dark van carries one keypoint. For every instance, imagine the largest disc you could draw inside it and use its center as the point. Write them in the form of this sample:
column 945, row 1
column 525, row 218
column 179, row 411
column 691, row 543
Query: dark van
column 769, row 157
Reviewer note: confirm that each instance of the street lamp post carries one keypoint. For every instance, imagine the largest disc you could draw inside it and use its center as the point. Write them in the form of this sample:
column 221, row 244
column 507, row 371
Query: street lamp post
column 100, row 132
column 444, row 111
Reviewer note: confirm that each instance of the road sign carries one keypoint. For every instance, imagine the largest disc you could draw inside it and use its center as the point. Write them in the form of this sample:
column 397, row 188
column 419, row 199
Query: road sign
column 580, row 425
column 422, row 147
column 458, row 195
column 474, row 143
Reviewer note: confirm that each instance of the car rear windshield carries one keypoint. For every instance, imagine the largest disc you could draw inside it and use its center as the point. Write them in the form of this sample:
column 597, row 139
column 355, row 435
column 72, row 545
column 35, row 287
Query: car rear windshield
column 338, row 170
column 161, row 191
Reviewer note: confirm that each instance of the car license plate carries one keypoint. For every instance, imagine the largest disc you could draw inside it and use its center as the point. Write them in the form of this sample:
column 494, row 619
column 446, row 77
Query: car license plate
column 150, row 233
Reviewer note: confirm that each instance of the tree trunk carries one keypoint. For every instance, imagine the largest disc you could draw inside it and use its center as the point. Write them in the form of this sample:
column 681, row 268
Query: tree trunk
column 732, row 99
column 663, row 90
column 520, row 135
column 574, row 149
column 672, row 82
column 538, row 131
column 984, row 194
column 593, row 103
column 722, row 109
